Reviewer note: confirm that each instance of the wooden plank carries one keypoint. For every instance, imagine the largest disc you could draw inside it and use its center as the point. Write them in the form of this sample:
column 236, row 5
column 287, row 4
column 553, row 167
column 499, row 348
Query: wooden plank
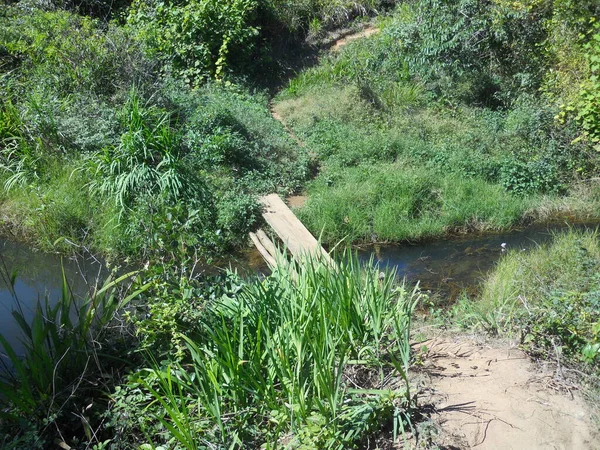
column 262, row 250
column 290, row 230
column 267, row 243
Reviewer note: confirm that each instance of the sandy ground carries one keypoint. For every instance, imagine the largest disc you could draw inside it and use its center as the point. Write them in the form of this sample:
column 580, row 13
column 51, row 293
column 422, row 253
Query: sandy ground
column 296, row 201
column 493, row 397
column 368, row 31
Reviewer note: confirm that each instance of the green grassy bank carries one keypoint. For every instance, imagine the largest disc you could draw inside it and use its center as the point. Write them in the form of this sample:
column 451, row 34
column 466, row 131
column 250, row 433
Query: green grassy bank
column 416, row 139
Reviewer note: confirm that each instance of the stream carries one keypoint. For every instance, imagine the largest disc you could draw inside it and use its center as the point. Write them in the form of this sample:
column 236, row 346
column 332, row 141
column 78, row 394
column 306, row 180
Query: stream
column 38, row 275
column 451, row 266
column 445, row 267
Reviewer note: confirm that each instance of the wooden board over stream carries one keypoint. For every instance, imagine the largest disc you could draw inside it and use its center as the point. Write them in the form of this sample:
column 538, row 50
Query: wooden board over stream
column 290, row 230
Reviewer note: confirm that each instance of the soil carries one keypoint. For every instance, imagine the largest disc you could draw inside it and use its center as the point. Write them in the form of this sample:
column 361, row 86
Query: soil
column 368, row 31
column 492, row 396
column 296, row 201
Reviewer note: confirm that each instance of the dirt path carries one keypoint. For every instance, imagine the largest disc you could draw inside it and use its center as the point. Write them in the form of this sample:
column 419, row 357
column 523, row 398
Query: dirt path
column 494, row 397
column 299, row 200
column 368, row 31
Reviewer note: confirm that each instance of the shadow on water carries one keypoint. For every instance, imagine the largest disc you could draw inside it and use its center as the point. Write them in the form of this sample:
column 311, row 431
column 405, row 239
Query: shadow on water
column 39, row 275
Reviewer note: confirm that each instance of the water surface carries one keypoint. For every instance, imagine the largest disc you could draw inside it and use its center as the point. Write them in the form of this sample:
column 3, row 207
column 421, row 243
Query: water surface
column 446, row 267
column 451, row 266
column 39, row 275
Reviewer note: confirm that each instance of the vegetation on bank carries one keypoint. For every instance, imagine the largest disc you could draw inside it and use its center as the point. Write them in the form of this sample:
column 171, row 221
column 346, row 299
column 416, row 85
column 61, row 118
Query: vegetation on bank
column 124, row 113
column 426, row 101
column 99, row 148
column 141, row 129
column 58, row 384
column 309, row 357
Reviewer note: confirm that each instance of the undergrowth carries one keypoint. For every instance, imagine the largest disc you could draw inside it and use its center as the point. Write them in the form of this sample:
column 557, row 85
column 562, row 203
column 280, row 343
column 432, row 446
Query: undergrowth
column 53, row 386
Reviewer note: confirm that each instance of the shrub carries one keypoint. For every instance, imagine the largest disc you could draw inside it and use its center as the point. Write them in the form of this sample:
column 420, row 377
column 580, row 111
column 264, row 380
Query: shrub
column 588, row 107
column 306, row 14
column 534, row 176
column 146, row 163
column 67, row 53
column 470, row 50
column 198, row 38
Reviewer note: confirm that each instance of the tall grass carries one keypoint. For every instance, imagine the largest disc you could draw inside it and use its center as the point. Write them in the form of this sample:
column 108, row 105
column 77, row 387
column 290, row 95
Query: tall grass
column 304, row 357
column 395, row 203
column 63, row 361
column 523, row 282
column 145, row 163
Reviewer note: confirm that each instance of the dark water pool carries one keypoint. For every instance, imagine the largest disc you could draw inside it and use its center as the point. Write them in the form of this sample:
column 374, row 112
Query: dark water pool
column 39, row 275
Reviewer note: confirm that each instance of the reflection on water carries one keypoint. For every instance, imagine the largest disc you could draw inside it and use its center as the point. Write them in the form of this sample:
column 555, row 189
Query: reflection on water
column 38, row 275
column 447, row 267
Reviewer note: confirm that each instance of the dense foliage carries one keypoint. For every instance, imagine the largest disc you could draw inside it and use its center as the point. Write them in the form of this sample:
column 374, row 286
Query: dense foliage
column 136, row 129
column 301, row 358
column 88, row 115
column 312, row 355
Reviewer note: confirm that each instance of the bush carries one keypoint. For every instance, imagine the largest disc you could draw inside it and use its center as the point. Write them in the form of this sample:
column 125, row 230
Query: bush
column 587, row 108
column 66, row 53
column 198, row 39
column 158, row 154
column 488, row 49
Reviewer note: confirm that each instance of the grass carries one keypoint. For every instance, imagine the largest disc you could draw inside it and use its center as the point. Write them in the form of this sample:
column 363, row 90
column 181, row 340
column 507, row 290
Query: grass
column 445, row 164
column 301, row 359
column 391, row 202
column 58, row 207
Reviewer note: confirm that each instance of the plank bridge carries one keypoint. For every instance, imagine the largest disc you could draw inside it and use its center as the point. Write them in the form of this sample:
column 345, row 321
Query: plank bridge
column 293, row 234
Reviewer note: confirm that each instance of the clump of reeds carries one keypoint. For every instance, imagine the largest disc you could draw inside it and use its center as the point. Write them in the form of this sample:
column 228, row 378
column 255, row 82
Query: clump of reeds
column 50, row 383
column 312, row 355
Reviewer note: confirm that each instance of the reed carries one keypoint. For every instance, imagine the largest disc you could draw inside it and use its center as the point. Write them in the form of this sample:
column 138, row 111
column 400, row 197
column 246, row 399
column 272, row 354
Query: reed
column 62, row 362
column 284, row 354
